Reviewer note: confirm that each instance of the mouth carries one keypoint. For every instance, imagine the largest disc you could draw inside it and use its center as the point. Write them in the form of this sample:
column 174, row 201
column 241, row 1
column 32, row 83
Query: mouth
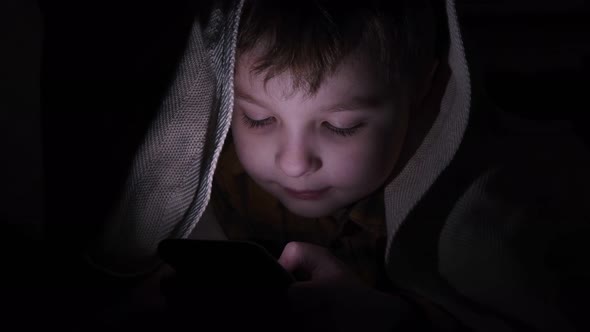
column 306, row 194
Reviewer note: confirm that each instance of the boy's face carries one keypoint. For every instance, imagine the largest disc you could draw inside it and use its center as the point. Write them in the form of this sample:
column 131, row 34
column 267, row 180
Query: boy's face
column 317, row 153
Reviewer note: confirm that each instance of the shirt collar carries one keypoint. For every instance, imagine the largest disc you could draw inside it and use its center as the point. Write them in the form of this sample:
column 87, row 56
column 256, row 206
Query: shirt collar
column 369, row 213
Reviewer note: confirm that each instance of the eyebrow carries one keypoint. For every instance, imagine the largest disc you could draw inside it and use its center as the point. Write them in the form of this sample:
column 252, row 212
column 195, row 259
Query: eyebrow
column 354, row 103
column 244, row 96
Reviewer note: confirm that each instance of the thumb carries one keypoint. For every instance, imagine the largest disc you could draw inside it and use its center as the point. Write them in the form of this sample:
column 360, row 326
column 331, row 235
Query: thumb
column 306, row 262
column 299, row 259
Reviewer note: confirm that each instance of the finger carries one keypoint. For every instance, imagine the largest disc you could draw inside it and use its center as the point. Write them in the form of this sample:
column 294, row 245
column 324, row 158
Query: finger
column 299, row 258
column 292, row 258
column 309, row 262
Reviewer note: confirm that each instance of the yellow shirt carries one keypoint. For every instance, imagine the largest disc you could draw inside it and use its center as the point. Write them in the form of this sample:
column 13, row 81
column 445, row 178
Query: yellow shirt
column 247, row 212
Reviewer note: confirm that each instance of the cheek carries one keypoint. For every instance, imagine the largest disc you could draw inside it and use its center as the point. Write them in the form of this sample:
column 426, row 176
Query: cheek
column 254, row 152
column 363, row 163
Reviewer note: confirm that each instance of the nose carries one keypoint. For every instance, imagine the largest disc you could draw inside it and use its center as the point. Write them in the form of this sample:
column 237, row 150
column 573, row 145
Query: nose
column 296, row 159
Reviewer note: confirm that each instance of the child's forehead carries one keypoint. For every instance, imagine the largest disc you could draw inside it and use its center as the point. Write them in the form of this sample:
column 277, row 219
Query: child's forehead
column 355, row 74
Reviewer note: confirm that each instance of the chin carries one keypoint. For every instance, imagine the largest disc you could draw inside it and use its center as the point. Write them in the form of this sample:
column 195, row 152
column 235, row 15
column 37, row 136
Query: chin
column 309, row 209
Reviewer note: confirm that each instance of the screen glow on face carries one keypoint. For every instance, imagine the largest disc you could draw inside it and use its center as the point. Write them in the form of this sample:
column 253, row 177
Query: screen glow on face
column 322, row 152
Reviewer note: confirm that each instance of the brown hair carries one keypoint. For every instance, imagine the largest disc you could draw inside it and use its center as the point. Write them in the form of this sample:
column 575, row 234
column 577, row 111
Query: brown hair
column 310, row 38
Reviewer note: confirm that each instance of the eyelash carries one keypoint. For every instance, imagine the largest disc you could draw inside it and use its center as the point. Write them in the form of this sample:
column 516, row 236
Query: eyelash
column 256, row 123
column 345, row 132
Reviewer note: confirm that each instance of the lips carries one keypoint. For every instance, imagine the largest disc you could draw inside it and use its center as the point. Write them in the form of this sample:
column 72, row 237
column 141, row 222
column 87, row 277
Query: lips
column 306, row 194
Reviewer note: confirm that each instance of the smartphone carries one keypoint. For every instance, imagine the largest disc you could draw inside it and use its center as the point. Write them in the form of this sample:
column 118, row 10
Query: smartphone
column 233, row 264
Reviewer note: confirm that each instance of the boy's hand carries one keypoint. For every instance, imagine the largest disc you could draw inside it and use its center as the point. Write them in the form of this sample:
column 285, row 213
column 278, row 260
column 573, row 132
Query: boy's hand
column 312, row 265
column 332, row 298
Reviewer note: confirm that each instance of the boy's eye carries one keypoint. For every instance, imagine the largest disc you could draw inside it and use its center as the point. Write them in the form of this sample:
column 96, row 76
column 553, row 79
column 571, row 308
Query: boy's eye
column 344, row 131
column 256, row 123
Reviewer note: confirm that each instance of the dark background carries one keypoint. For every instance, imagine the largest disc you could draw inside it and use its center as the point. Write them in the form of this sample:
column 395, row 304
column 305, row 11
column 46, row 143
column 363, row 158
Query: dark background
column 80, row 81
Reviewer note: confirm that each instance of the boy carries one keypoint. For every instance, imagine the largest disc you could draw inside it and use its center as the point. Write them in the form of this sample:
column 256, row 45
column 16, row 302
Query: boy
column 360, row 158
